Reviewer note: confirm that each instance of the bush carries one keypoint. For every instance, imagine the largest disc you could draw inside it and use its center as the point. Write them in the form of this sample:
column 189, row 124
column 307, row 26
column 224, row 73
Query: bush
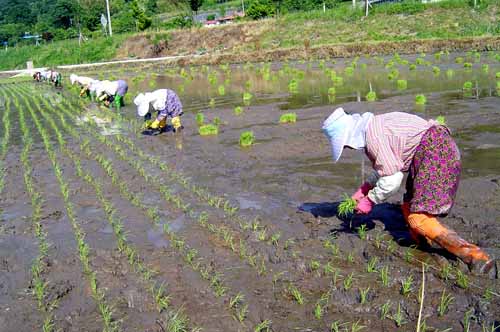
column 408, row 8
column 179, row 22
column 260, row 9
column 211, row 17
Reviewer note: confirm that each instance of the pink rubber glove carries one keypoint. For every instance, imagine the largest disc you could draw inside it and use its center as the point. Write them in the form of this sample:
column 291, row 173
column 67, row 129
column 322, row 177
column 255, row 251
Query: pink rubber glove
column 362, row 191
column 365, row 205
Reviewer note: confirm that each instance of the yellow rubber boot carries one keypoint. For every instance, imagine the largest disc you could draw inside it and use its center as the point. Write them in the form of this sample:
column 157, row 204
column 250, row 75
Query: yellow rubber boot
column 176, row 122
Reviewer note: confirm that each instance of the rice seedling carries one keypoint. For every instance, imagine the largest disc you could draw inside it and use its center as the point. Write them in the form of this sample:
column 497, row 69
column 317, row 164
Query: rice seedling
column 445, row 301
column 393, row 74
column 347, row 206
column 420, row 100
column 296, row 294
column 238, row 110
column 384, row 276
column 486, row 68
column 412, row 67
column 385, row 309
column 348, row 281
column 350, row 257
column 436, row 70
column 208, row 129
column 372, row 265
column 247, row 138
column 293, row 86
column 467, row 86
column 362, row 232
column 466, row 321
column 288, row 118
column 263, row 326
column 332, row 91
column 497, row 75
column 441, row 120
column 211, row 104
column 449, row 73
column 363, row 295
column 314, row 265
column 459, row 60
column 402, row 84
column 467, row 65
column 419, row 61
column 462, row 279
column 200, row 118
column 338, row 81
column 336, row 326
column 406, row 286
column 247, row 97
column 222, row 90
column 349, row 71
column 398, row 317
column 371, row 96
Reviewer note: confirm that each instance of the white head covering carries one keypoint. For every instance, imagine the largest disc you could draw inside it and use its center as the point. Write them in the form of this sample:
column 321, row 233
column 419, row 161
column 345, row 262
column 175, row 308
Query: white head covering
column 344, row 129
column 142, row 102
column 73, row 78
column 94, row 85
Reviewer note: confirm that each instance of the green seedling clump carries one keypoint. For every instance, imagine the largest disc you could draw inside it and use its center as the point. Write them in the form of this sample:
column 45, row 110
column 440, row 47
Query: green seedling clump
column 217, row 121
column 200, row 118
column 208, row 129
column 468, row 65
column 288, row 118
column 486, row 68
column 413, row 66
column 498, row 87
column 459, row 60
column 332, row 91
column 436, row 70
column 349, row 70
column 393, row 74
column 247, row 138
column 238, row 110
column 293, row 86
column 402, row 84
column 441, row 120
column 338, row 80
column 347, row 206
column 222, row 90
column 497, row 75
column 467, row 86
column 247, row 96
column 420, row 100
column 371, row 96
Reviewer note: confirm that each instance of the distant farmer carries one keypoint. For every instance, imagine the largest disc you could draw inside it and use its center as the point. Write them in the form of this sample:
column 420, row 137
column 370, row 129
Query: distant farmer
column 165, row 102
column 41, row 75
column 111, row 92
column 400, row 142
column 55, row 78
column 83, row 82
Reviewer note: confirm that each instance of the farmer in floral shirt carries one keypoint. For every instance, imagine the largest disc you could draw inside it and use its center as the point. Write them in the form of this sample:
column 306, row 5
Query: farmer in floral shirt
column 166, row 103
column 400, row 142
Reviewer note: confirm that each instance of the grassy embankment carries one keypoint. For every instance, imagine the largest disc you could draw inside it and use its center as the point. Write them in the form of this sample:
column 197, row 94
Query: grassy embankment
column 397, row 22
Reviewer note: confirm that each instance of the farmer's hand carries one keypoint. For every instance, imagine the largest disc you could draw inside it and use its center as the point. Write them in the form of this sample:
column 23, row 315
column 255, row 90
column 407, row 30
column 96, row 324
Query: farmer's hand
column 362, row 191
column 155, row 124
column 365, row 205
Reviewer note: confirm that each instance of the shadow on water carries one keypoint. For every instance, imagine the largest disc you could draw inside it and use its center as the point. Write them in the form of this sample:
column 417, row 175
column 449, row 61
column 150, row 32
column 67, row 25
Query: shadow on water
column 388, row 214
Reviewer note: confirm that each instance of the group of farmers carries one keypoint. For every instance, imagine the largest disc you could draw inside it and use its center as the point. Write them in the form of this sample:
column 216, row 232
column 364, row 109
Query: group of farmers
column 154, row 107
column 395, row 143
column 49, row 76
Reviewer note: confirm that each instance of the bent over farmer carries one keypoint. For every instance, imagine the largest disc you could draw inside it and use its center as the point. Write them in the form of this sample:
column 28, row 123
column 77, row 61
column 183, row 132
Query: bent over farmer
column 401, row 142
column 166, row 103
column 111, row 92
column 84, row 83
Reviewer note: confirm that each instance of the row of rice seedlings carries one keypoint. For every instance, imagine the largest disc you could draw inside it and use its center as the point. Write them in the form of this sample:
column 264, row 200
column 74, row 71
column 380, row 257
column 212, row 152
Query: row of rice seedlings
column 4, row 144
column 38, row 283
column 157, row 290
column 110, row 324
column 190, row 255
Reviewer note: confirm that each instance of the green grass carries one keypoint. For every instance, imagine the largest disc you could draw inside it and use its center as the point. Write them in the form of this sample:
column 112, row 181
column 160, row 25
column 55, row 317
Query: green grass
column 61, row 52
column 288, row 118
column 208, row 129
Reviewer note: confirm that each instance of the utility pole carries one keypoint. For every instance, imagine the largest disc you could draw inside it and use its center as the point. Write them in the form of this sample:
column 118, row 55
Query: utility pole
column 109, row 18
column 243, row 6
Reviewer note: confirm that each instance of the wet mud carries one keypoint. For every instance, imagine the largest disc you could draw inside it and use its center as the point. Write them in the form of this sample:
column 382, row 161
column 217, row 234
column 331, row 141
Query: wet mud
column 287, row 191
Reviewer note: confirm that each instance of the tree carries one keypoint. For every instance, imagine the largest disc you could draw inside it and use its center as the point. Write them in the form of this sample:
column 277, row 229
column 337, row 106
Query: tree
column 195, row 5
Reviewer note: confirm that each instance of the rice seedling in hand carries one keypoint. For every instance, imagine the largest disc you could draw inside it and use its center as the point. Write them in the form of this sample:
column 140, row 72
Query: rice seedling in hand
column 346, row 207
column 208, row 129
column 420, row 100
column 445, row 301
column 247, row 138
column 371, row 96
column 288, row 118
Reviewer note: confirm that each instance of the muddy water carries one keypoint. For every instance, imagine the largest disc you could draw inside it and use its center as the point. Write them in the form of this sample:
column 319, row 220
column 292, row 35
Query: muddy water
column 288, row 182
